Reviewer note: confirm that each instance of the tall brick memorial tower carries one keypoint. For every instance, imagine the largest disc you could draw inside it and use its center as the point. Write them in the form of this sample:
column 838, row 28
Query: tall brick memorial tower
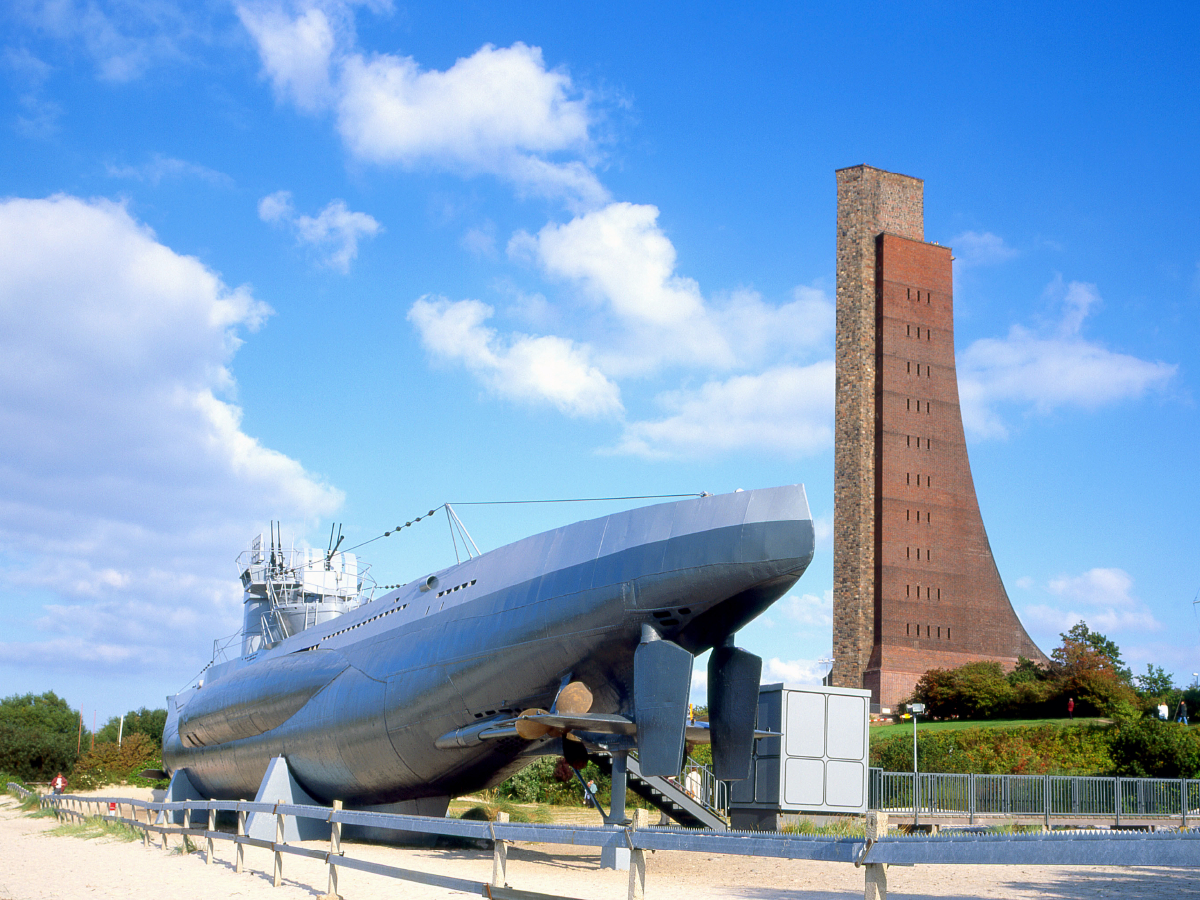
column 915, row 586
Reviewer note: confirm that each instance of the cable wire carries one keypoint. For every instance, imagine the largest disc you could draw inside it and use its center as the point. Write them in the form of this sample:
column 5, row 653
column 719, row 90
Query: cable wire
column 578, row 499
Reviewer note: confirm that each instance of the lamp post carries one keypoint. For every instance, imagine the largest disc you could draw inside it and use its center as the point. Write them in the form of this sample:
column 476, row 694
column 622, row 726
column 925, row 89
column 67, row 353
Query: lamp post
column 916, row 709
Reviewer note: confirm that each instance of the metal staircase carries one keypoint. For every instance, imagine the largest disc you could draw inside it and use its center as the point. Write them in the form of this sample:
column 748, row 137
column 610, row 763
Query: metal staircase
column 667, row 794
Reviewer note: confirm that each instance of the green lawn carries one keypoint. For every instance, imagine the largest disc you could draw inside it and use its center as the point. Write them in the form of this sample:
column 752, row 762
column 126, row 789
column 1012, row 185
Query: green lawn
column 880, row 732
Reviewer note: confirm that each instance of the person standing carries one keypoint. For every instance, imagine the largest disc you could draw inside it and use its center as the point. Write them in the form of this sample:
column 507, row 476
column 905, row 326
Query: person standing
column 1070, row 707
column 59, row 784
column 1181, row 716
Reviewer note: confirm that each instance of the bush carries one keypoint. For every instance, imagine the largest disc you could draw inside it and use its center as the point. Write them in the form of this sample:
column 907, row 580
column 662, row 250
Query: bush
column 35, row 755
column 1040, row 750
column 113, row 764
column 1152, row 749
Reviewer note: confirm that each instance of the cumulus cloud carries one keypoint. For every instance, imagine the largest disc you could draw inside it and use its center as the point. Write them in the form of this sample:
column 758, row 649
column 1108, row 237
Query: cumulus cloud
column 809, row 609
column 621, row 266
column 127, row 480
column 794, row 671
column 334, row 232
column 786, row 410
column 1101, row 597
column 1050, row 368
column 521, row 367
column 498, row 112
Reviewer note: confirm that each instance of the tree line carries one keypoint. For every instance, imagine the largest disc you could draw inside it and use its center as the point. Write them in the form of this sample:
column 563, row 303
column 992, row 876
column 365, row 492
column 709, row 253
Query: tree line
column 41, row 735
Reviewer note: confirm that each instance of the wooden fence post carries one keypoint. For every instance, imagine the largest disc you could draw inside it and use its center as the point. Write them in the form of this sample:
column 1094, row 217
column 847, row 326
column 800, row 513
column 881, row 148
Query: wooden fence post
column 876, row 873
column 499, row 856
column 335, row 850
column 240, row 857
column 278, row 879
column 637, row 858
column 212, row 826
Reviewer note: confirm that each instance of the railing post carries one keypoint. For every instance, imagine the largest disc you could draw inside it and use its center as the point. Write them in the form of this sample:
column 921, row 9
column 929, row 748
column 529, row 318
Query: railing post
column 637, row 858
column 335, row 850
column 875, row 887
column 1046, row 799
column 212, row 826
column 277, row 880
column 1117, row 796
column 971, row 797
column 1183, row 792
column 240, row 857
column 499, row 856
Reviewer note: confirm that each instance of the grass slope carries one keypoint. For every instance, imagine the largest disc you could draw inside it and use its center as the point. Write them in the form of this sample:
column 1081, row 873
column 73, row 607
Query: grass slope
column 883, row 732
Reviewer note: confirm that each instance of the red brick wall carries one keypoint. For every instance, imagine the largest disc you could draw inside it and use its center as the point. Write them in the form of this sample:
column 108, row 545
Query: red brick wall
column 939, row 599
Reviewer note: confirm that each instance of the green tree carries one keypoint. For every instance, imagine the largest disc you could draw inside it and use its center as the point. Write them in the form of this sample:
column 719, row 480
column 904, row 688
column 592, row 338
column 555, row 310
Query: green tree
column 1088, row 667
column 149, row 722
column 38, row 736
column 1082, row 646
column 1157, row 682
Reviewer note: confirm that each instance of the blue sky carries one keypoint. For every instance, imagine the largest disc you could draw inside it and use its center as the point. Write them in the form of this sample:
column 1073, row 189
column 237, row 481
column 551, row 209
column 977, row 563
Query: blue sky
column 335, row 262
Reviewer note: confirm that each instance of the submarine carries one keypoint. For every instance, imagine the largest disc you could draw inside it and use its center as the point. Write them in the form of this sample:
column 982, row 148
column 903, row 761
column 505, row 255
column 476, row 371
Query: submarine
column 578, row 640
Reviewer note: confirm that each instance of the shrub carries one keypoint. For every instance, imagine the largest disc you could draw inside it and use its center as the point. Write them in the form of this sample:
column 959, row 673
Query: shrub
column 1041, row 750
column 1152, row 749
column 113, row 764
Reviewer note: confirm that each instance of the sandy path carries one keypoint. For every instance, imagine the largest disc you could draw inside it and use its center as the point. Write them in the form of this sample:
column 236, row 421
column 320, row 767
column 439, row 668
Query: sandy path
column 38, row 866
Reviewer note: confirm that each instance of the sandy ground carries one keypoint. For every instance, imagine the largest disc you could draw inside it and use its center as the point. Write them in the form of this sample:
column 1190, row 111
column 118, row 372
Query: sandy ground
column 36, row 865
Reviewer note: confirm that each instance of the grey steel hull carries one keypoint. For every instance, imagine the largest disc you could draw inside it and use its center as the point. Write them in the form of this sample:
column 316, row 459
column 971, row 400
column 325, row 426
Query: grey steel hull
column 356, row 705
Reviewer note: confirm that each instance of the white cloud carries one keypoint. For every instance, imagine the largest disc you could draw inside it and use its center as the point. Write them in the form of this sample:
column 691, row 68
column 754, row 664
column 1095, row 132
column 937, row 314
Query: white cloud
column 786, row 410
column 1101, row 597
column 165, row 167
column 794, row 671
column 122, row 39
column 522, row 367
column 1050, row 368
column 624, row 264
column 975, row 248
column 296, row 50
column 498, row 112
column 623, row 267
column 809, row 609
column 126, row 482
column 334, row 231
column 699, row 694
column 481, row 241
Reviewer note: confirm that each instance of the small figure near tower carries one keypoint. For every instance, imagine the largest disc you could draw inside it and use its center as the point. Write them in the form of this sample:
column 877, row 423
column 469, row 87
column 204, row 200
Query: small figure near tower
column 915, row 586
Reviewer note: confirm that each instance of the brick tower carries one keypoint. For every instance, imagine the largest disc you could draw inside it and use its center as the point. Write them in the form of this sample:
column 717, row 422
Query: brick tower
column 915, row 586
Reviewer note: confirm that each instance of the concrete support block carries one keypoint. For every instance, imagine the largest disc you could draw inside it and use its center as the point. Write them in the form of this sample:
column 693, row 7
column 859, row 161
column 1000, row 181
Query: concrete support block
column 280, row 786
